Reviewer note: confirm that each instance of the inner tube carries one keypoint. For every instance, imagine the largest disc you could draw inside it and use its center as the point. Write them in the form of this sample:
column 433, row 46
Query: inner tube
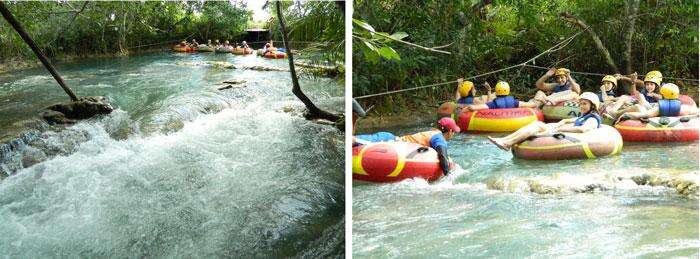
column 660, row 129
column 242, row 51
column 275, row 54
column 224, row 49
column 561, row 110
column 260, row 52
column 179, row 48
column 603, row 141
column 205, row 48
column 498, row 120
column 386, row 162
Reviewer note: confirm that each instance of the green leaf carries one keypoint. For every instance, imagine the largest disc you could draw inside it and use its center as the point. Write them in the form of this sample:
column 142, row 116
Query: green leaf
column 363, row 25
column 389, row 53
column 370, row 46
column 399, row 35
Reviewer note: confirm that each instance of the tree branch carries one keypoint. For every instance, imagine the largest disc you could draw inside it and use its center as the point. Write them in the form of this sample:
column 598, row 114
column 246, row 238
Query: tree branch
column 314, row 112
column 598, row 43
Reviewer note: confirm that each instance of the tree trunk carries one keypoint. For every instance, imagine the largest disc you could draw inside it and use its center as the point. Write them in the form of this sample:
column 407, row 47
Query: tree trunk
column 632, row 9
column 598, row 43
column 313, row 111
column 22, row 33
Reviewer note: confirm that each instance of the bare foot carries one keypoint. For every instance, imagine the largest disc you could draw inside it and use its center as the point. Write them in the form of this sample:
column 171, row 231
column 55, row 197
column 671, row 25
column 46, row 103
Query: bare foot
column 498, row 144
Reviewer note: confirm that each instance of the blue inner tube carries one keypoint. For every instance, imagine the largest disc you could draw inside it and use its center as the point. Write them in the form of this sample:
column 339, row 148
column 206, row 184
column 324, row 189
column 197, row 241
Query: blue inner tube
column 281, row 49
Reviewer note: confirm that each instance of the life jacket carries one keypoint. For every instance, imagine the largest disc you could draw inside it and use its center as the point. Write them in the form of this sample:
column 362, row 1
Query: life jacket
column 504, row 102
column 561, row 88
column 648, row 98
column 421, row 138
column 466, row 100
column 609, row 93
column 581, row 120
column 669, row 108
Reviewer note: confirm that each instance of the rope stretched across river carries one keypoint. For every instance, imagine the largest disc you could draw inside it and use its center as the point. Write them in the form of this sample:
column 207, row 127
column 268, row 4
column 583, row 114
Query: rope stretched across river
column 562, row 43
column 599, row 74
column 556, row 47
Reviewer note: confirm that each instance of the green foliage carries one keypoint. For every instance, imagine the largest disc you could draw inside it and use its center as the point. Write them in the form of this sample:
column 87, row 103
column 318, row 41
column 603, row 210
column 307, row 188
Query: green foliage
column 374, row 44
column 502, row 33
column 110, row 27
column 317, row 28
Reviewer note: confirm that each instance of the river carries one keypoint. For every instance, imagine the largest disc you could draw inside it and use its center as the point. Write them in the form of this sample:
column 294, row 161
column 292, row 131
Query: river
column 180, row 169
column 637, row 204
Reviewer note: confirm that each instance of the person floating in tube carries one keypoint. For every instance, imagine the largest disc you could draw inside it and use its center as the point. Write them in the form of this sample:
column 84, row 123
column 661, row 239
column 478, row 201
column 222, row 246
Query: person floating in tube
column 434, row 138
column 564, row 88
column 503, row 100
column 466, row 93
column 589, row 120
column 668, row 106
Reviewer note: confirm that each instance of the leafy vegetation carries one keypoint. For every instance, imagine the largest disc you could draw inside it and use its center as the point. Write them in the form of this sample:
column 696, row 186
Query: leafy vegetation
column 485, row 35
column 317, row 27
column 82, row 28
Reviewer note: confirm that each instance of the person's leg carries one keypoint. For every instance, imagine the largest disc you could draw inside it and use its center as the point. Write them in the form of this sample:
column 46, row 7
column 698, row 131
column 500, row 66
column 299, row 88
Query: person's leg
column 522, row 133
column 562, row 96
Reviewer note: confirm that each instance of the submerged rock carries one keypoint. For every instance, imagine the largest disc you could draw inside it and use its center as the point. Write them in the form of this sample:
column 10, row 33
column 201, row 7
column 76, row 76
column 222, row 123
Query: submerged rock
column 684, row 183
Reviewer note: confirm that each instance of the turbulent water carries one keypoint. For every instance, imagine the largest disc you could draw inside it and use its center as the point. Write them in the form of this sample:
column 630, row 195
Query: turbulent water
column 181, row 169
column 642, row 203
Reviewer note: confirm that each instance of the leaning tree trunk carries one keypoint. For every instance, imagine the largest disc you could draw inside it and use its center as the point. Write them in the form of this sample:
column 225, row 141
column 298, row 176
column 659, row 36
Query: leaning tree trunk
column 598, row 43
column 632, row 9
column 314, row 112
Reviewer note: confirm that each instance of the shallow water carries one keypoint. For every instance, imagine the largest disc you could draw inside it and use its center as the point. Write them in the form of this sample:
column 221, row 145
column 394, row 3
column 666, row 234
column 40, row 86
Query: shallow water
column 179, row 170
column 640, row 203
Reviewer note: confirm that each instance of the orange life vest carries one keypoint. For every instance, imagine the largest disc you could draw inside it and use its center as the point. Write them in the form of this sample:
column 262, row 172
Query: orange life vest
column 421, row 138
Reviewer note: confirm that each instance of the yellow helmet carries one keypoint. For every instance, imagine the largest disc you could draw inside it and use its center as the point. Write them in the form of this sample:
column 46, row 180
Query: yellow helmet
column 465, row 88
column 502, row 88
column 610, row 79
column 654, row 77
column 593, row 98
column 669, row 91
column 655, row 73
column 562, row 72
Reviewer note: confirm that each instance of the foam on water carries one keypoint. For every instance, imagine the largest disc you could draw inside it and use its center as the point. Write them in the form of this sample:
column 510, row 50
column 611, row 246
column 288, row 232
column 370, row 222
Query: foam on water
column 235, row 176
column 640, row 203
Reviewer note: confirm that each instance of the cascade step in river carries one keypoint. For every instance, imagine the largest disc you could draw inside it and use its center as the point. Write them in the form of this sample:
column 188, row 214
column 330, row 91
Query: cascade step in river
column 642, row 203
column 179, row 169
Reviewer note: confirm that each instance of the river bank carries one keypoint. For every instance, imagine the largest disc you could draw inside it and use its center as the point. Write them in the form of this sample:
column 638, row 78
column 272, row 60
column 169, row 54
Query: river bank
column 21, row 63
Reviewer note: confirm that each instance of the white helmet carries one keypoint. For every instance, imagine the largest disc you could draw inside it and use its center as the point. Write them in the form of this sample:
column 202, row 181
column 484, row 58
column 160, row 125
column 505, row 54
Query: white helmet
column 591, row 97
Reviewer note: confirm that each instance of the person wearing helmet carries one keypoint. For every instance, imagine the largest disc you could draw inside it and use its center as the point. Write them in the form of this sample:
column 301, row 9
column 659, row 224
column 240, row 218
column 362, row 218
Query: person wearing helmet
column 668, row 106
column 217, row 44
column 466, row 93
column 589, row 120
column 245, row 45
column 435, row 138
column 646, row 95
column 607, row 89
column 564, row 88
column 269, row 47
column 503, row 100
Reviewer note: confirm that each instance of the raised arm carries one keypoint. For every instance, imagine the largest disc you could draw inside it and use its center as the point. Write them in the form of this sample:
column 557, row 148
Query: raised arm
column 574, row 86
column 459, row 83
column 541, row 82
